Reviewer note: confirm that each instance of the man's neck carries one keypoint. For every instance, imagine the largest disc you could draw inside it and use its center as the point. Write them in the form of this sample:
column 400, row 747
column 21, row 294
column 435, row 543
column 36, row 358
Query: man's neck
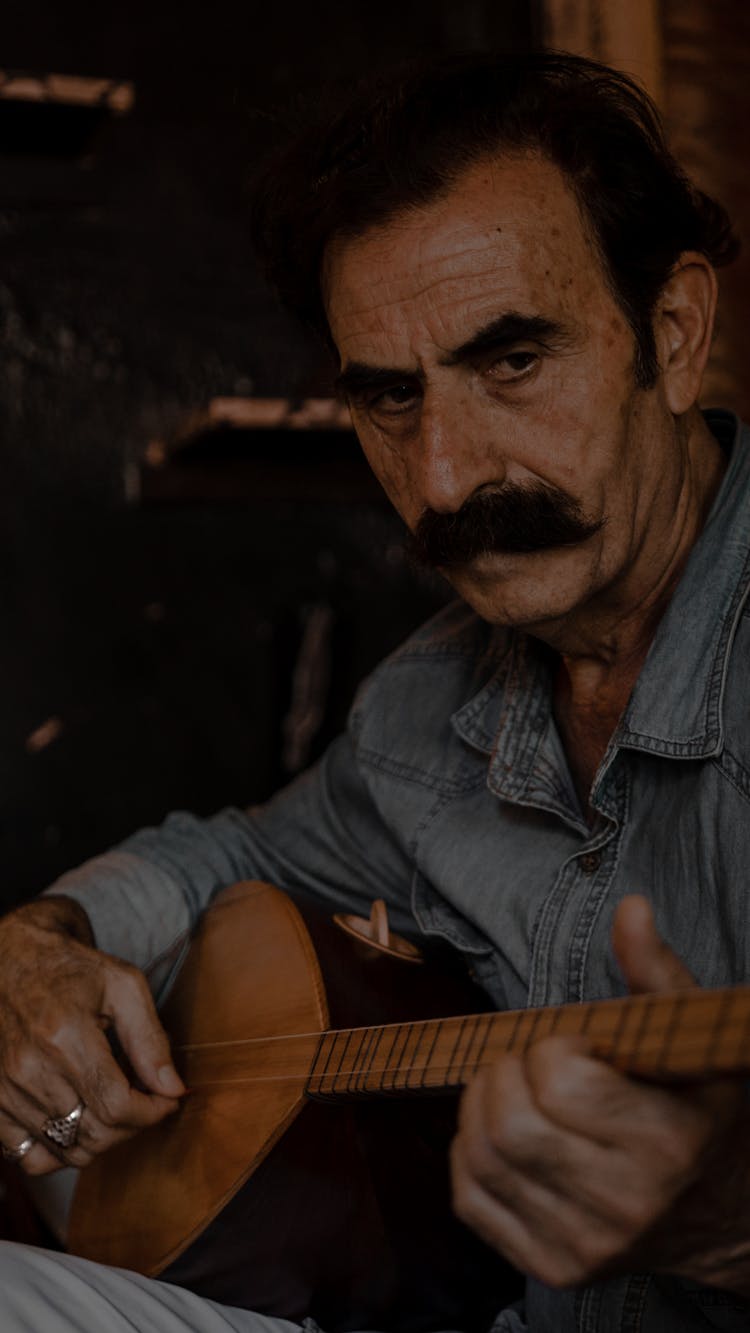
column 603, row 644
column 602, row 649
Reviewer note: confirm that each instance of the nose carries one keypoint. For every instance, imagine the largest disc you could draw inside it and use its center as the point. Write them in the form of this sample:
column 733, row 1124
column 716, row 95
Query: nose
column 453, row 457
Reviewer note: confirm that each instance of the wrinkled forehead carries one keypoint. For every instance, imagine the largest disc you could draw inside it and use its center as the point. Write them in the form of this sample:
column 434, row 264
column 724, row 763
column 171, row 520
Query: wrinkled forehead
column 509, row 234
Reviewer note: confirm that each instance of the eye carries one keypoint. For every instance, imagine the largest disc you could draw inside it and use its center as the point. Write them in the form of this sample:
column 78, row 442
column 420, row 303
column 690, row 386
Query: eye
column 512, row 366
column 393, row 401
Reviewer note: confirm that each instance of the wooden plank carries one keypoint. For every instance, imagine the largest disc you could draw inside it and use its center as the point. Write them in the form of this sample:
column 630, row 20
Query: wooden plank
column 627, row 36
column 707, row 104
column 116, row 95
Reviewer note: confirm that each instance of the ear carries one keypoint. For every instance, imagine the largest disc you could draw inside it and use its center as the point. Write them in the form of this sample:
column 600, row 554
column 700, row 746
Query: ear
column 683, row 326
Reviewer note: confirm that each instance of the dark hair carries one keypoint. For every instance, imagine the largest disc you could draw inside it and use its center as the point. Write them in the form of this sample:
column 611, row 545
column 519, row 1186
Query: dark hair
column 405, row 139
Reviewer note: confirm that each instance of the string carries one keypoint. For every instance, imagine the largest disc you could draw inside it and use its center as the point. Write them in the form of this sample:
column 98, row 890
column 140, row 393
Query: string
column 646, row 1056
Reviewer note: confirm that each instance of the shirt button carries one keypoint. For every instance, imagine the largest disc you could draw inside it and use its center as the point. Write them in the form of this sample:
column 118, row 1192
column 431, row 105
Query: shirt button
column 590, row 862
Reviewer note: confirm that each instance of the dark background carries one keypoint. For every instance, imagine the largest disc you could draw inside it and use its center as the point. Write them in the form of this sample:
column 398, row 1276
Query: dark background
column 160, row 640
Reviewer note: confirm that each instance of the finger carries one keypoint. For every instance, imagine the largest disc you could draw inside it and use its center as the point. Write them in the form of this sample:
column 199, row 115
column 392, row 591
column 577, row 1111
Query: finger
column 512, row 1120
column 104, row 1088
column 577, row 1092
column 647, row 962
column 141, row 1035
column 93, row 1135
column 77, row 1061
column 542, row 1226
column 583, row 1134
column 33, row 1091
column 38, row 1160
column 51, row 1097
column 550, row 1238
column 489, row 1215
column 77, row 1065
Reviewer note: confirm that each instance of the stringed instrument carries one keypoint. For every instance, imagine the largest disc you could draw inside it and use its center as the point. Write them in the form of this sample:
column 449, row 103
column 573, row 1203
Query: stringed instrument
column 305, row 1173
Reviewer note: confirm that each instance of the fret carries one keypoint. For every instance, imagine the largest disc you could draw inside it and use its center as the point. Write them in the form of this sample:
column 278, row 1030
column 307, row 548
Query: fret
column 330, row 1040
column 742, row 1000
column 619, row 1031
column 488, row 1028
column 558, row 1018
column 386, row 1064
column 516, row 1035
column 437, row 1073
column 454, row 1053
column 717, row 1031
column 396, row 1057
column 513, row 1038
column 405, row 1060
column 671, row 1027
column 345, row 1073
column 415, row 1068
column 588, row 1011
column 687, row 1060
column 627, row 1046
column 709, row 1018
column 727, row 1040
column 436, row 1033
column 681, row 1046
column 337, row 1073
column 633, row 1019
column 647, row 1013
column 537, row 1016
column 360, row 1062
column 729, row 1044
column 476, row 1021
column 367, row 1076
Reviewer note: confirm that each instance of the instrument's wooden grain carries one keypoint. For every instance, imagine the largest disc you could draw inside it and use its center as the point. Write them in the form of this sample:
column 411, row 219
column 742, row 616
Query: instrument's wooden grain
column 250, row 972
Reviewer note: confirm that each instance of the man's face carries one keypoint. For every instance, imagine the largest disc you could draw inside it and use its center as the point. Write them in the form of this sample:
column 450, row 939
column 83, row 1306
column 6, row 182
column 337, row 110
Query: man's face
column 484, row 356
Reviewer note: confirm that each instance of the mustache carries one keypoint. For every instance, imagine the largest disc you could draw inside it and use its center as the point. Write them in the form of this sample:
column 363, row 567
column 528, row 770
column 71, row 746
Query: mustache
column 515, row 519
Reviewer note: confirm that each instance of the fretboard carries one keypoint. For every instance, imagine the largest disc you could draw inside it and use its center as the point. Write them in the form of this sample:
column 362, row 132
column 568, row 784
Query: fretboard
column 680, row 1035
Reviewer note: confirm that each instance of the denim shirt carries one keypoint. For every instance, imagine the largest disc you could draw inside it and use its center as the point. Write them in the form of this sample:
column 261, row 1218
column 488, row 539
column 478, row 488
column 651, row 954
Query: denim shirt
column 450, row 796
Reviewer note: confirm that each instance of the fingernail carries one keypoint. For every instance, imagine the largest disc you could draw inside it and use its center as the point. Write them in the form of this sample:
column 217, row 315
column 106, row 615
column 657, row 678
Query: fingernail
column 170, row 1081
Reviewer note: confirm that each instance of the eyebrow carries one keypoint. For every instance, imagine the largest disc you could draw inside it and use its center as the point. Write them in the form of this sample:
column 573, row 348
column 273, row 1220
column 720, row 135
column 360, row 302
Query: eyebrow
column 357, row 377
column 507, row 330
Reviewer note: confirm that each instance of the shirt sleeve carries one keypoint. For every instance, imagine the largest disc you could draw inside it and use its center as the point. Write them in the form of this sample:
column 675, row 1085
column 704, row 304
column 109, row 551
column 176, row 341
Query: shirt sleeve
column 321, row 836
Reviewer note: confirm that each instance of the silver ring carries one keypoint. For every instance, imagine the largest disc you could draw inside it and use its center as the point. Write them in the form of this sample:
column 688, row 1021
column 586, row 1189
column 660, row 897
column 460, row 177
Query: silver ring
column 16, row 1154
column 63, row 1129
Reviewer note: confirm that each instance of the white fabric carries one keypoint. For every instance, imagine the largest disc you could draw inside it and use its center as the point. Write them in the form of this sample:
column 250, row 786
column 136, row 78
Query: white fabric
column 44, row 1292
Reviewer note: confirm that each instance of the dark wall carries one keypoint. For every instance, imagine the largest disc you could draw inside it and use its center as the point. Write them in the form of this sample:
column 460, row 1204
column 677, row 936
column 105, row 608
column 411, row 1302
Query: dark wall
column 161, row 642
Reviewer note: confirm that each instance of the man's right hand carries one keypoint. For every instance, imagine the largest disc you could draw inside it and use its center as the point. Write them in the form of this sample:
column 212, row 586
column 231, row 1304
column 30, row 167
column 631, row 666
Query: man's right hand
column 58, row 998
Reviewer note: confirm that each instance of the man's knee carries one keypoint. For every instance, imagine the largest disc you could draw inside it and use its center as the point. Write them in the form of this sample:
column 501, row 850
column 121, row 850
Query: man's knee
column 27, row 1280
column 17, row 1262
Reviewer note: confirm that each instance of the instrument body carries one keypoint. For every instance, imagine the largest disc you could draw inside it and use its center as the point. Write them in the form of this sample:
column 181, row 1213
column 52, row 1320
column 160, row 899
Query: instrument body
column 256, row 1194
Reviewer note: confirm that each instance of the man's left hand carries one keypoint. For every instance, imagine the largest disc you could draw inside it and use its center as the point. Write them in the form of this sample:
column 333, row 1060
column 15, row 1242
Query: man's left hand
column 575, row 1171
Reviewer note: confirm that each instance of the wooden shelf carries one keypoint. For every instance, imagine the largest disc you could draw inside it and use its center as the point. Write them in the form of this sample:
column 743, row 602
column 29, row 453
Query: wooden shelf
column 57, row 115
column 259, row 449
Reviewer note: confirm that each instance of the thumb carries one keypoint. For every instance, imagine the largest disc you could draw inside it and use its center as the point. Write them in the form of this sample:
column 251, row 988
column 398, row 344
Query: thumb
column 647, row 963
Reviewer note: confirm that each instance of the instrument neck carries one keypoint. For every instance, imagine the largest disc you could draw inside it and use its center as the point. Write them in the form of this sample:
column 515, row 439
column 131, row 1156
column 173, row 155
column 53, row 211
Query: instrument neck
column 678, row 1035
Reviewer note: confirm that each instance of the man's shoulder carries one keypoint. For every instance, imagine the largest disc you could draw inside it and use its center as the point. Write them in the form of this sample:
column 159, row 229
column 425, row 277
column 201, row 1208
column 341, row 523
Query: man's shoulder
column 404, row 709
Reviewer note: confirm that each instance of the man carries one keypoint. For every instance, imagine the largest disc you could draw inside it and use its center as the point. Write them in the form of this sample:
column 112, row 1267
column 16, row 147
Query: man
column 519, row 286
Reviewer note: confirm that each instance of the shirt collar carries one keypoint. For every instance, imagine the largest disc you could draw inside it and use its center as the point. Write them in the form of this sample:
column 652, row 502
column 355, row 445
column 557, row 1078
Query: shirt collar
column 675, row 707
